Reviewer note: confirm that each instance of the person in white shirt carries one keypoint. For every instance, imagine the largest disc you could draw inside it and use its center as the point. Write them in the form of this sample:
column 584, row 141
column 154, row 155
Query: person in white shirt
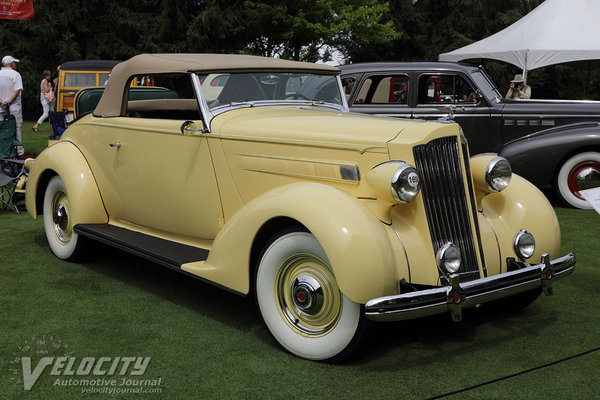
column 45, row 89
column 11, row 87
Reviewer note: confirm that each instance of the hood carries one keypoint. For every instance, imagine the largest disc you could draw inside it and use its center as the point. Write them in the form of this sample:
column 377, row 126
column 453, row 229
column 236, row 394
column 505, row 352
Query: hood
column 309, row 125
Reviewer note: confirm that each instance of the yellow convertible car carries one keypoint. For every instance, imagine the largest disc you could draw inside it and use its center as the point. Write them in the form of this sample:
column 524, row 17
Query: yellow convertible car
column 266, row 185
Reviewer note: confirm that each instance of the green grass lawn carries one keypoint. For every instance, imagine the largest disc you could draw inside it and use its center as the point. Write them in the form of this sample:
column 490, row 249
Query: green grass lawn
column 206, row 343
column 35, row 142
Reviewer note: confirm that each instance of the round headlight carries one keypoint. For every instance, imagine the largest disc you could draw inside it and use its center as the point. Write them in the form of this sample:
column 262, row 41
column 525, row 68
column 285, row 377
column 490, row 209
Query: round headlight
column 498, row 174
column 524, row 244
column 405, row 183
column 448, row 258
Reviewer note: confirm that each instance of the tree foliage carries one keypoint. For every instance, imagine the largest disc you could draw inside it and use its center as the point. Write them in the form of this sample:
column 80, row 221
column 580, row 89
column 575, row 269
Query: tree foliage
column 308, row 30
column 303, row 29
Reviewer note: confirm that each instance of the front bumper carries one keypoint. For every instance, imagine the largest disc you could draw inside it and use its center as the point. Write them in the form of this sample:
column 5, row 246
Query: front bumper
column 456, row 296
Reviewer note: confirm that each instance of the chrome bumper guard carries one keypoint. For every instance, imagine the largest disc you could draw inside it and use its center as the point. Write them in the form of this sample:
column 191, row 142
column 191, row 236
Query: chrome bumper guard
column 456, row 296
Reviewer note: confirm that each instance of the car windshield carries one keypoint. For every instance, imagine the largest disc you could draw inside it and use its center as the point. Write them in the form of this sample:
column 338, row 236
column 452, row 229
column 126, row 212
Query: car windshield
column 225, row 89
column 485, row 84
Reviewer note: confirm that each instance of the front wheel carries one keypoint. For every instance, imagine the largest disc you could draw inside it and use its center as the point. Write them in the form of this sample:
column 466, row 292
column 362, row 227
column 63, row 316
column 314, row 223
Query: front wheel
column 580, row 172
column 58, row 222
column 300, row 301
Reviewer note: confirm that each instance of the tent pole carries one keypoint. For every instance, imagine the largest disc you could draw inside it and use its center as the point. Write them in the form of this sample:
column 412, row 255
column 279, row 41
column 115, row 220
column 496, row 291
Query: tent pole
column 525, row 68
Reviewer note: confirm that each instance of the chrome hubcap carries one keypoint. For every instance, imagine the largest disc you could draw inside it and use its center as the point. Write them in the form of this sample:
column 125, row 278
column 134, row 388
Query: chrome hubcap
column 585, row 175
column 307, row 294
column 308, row 297
column 60, row 217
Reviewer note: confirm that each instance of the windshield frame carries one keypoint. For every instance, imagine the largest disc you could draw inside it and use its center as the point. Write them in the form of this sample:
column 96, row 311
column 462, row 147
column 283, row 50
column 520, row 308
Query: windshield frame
column 479, row 76
column 208, row 114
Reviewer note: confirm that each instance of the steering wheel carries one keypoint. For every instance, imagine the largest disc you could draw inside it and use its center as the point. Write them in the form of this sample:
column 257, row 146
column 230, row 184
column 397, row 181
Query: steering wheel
column 295, row 96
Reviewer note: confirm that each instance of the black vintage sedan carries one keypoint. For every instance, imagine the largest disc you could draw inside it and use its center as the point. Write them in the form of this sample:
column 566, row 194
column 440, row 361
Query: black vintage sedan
column 432, row 90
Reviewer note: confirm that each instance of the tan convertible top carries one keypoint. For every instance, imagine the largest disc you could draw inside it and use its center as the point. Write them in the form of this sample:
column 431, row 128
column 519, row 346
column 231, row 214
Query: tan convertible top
column 111, row 103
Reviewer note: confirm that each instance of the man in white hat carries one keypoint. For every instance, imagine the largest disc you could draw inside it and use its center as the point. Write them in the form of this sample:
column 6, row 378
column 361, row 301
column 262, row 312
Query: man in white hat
column 11, row 86
column 518, row 89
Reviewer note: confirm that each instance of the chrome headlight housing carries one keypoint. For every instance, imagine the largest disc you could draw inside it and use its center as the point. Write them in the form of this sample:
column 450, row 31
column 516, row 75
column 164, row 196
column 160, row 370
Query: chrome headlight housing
column 405, row 183
column 448, row 258
column 498, row 174
column 524, row 244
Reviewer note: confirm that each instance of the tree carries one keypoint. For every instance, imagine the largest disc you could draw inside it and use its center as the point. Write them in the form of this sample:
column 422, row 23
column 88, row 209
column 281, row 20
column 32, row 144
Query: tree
column 302, row 29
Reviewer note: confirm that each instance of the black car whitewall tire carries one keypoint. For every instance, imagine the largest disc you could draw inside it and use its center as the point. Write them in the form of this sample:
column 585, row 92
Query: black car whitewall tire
column 58, row 223
column 300, row 301
column 587, row 163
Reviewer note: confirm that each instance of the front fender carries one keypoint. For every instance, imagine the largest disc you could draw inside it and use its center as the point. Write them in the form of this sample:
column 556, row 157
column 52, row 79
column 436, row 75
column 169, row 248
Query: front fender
column 65, row 159
column 536, row 157
column 354, row 239
column 521, row 206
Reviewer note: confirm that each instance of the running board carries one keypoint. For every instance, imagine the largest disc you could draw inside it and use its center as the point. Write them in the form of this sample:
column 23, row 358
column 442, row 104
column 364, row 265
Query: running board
column 165, row 252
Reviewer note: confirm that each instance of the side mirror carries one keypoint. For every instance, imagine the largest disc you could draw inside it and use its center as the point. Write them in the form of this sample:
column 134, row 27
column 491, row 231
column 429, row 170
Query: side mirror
column 189, row 127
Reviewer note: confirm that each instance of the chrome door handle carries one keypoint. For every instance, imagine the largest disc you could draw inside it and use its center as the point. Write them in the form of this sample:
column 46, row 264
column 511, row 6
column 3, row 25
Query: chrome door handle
column 117, row 145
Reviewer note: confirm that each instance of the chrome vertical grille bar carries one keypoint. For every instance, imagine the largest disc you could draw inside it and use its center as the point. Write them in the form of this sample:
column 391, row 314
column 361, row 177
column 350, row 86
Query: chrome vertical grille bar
column 446, row 203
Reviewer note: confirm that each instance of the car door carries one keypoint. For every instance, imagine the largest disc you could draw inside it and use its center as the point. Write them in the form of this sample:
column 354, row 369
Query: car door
column 380, row 93
column 154, row 176
column 452, row 95
column 151, row 174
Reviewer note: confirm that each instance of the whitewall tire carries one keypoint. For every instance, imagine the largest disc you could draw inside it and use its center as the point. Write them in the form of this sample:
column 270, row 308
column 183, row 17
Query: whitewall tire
column 58, row 224
column 300, row 301
column 580, row 172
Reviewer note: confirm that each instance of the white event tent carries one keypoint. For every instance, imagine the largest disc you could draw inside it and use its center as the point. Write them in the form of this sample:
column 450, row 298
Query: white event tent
column 557, row 31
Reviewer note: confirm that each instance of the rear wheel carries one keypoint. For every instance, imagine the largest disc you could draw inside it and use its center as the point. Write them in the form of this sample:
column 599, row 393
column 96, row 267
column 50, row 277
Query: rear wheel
column 580, row 172
column 300, row 301
column 58, row 222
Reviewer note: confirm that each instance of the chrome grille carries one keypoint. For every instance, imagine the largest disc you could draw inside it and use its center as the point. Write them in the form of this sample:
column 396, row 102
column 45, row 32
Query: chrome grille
column 446, row 203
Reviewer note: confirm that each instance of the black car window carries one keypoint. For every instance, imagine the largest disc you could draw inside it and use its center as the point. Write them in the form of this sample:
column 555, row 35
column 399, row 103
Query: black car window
column 383, row 89
column 445, row 89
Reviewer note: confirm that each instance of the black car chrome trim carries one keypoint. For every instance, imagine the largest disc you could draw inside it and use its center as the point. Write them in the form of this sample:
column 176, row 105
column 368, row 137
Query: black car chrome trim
column 550, row 116
column 456, row 114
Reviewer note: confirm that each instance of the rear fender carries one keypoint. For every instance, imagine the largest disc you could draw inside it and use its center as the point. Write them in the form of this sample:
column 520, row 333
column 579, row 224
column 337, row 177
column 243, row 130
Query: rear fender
column 65, row 160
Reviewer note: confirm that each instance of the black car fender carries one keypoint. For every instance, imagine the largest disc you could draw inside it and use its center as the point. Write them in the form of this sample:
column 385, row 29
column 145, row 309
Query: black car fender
column 538, row 157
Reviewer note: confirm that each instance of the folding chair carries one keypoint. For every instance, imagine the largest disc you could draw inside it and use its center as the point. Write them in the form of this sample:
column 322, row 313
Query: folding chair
column 57, row 123
column 8, row 140
column 10, row 180
column 11, row 169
